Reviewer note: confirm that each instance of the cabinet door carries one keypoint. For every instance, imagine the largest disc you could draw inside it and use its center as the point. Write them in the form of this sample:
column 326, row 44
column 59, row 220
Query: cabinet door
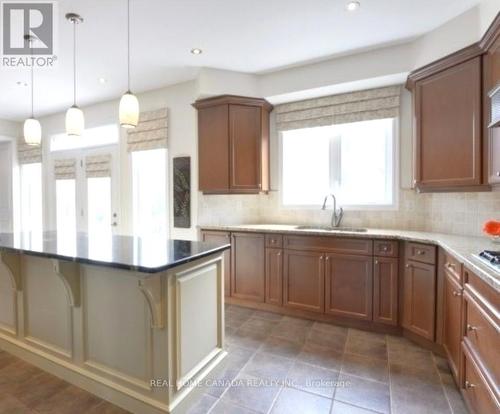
column 245, row 147
column 385, row 290
column 494, row 156
column 304, row 280
column 448, row 127
column 452, row 322
column 221, row 237
column 349, row 286
column 213, row 148
column 248, row 266
column 420, row 299
column 274, row 276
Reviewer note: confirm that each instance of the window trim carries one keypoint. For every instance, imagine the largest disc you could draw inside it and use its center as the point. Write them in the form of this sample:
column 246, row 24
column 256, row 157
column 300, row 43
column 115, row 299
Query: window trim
column 394, row 206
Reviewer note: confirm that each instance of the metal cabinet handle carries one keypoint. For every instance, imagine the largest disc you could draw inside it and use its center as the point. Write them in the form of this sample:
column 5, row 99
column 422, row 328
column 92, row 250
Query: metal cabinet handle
column 471, row 328
column 408, row 266
column 469, row 385
column 450, row 265
column 321, row 258
column 279, row 254
column 376, row 262
column 385, row 248
column 420, row 252
column 455, row 293
column 498, row 173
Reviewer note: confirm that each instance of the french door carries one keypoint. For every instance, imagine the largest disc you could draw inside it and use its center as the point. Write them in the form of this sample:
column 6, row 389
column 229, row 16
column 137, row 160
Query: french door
column 84, row 200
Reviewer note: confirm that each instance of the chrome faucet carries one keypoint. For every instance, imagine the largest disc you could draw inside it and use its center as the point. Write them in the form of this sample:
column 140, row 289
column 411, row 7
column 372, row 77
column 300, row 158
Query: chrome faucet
column 336, row 214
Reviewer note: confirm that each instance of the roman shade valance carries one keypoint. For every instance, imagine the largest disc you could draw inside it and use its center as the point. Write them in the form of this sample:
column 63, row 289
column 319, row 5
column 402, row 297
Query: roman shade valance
column 65, row 169
column 357, row 106
column 151, row 133
column 28, row 154
column 98, row 166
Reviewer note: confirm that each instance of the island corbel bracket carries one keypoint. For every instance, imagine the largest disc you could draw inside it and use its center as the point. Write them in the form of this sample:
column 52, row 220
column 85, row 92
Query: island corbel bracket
column 152, row 290
column 69, row 273
column 12, row 262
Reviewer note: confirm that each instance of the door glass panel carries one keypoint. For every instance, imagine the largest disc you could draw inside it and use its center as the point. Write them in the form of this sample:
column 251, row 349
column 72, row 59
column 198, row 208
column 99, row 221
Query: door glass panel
column 66, row 217
column 31, row 198
column 99, row 205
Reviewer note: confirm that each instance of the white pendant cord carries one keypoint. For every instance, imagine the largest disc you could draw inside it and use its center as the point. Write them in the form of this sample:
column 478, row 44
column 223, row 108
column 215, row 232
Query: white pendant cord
column 32, row 80
column 74, row 63
column 128, row 44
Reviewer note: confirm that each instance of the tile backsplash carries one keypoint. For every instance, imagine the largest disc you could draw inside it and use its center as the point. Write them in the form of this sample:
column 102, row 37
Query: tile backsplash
column 453, row 213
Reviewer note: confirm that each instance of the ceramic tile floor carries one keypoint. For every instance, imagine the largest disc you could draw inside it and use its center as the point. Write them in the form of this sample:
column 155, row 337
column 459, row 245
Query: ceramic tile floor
column 276, row 364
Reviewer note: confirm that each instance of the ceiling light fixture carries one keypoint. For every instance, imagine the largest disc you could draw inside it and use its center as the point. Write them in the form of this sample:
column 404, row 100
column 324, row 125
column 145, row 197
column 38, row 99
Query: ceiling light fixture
column 75, row 121
column 196, row 51
column 129, row 104
column 353, row 6
column 32, row 128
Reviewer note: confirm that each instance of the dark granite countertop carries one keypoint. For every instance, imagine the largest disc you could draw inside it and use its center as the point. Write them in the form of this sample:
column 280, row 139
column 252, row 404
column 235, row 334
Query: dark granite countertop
column 146, row 255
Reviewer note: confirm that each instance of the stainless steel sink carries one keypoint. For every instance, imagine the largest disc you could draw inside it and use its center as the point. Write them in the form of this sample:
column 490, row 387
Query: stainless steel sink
column 328, row 228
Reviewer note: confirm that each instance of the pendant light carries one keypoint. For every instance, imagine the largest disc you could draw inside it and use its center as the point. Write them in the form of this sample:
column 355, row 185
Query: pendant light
column 32, row 128
column 75, row 122
column 129, row 104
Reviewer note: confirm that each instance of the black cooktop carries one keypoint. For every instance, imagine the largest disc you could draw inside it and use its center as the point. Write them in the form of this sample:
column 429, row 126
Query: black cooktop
column 491, row 256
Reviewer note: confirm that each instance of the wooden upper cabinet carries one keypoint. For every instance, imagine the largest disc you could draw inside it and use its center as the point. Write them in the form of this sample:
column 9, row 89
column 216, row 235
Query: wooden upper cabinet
column 248, row 266
column 233, row 144
column 448, row 128
column 349, row 286
column 452, row 322
column 419, row 298
column 304, row 280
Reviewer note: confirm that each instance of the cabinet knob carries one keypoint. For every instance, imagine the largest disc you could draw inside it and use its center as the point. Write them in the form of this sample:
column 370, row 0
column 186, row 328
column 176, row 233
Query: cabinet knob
column 376, row 262
column 469, row 385
column 498, row 173
column 471, row 328
column 321, row 258
column 407, row 265
column 455, row 293
column 384, row 248
column 450, row 265
column 327, row 258
column 420, row 252
column 279, row 254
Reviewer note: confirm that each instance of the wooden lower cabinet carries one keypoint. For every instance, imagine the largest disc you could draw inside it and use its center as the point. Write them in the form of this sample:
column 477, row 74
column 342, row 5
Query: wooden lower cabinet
column 304, row 280
column 274, row 276
column 349, row 286
column 477, row 393
column 452, row 322
column 221, row 237
column 248, row 266
column 385, row 290
column 419, row 296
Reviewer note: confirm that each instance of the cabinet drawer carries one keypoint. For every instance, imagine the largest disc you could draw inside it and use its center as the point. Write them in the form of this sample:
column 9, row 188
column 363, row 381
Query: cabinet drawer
column 274, row 240
column 421, row 253
column 483, row 334
column 453, row 267
column 385, row 248
column 476, row 391
column 329, row 244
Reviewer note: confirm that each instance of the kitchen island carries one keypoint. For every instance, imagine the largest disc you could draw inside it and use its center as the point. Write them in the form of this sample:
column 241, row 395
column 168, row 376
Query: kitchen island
column 138, row 322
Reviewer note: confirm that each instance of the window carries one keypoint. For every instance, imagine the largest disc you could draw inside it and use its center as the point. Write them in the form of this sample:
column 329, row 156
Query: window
column 356, row 162
column 92, row 137
column 31, row 197
column 99, row 205
column 66, row 206
column 149, row 172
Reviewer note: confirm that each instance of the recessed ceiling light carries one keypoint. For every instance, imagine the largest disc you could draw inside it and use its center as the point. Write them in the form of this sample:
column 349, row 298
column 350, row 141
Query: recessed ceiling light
column 21, row 83
column 196, row 51
column 102, row 81
column 353, row 6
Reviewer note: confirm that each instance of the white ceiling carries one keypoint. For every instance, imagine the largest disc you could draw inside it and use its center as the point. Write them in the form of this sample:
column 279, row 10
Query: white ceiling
column 251, row 36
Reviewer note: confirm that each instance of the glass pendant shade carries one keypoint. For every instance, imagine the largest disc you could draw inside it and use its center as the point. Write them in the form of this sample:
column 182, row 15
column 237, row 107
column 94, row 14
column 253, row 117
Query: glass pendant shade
column 129, row 110
column 75, row 122
column 32, row 132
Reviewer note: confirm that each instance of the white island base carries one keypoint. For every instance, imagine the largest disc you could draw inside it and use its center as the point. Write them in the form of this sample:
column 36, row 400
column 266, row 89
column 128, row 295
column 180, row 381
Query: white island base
column 116, row 333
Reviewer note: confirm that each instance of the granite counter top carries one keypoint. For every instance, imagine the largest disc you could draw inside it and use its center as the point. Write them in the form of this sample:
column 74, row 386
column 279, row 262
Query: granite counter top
column 463, row 248
column 146, row 255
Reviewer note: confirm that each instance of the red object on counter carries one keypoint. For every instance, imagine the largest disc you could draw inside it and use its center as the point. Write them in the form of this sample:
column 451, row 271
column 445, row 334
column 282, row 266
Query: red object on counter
column 492, row 228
